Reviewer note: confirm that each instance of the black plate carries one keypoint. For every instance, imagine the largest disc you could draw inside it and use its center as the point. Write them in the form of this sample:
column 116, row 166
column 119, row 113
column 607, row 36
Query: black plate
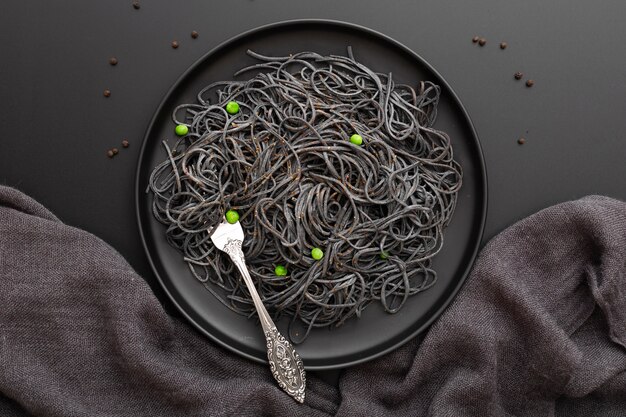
column 376, row 332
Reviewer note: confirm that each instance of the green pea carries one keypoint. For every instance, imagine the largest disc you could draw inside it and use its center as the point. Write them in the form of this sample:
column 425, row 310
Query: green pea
column 317, row 254
column 356, row 139
column 384, row 255
column 181, row 130
column 280, row 270
column 232, row 107
column 232, row 216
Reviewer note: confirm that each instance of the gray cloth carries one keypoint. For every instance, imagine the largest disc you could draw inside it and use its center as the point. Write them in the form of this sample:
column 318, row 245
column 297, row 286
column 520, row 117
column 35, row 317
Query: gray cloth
column 538, row 330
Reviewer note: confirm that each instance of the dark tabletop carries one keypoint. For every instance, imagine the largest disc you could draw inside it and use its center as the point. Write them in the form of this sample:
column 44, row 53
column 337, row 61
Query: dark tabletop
column 56, row 125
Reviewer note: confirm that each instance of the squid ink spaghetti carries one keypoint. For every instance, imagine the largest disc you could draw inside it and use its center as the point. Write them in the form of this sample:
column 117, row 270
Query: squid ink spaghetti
column 340, row 182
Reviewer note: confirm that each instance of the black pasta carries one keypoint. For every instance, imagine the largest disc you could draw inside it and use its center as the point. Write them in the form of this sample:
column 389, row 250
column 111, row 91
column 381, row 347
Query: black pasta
column 286, row 164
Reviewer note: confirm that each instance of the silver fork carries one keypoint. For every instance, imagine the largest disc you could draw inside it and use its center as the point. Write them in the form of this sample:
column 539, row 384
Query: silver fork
column 285, row 362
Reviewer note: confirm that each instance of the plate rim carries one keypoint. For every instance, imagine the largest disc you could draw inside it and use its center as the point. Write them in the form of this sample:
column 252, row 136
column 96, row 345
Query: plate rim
column 455, row 98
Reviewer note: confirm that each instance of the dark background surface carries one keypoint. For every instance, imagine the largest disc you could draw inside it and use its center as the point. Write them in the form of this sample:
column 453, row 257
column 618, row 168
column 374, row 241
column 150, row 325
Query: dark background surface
column 56, row 125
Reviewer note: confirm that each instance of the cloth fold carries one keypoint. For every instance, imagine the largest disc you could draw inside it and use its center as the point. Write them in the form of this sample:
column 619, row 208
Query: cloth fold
column 539, row 329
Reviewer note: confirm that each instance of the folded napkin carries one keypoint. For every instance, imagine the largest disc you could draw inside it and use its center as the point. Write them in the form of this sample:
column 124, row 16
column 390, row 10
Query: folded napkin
column 539, row 329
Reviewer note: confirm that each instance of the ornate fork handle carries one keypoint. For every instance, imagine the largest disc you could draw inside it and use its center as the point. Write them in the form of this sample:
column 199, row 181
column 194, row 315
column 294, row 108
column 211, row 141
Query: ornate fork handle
column 285, row 362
